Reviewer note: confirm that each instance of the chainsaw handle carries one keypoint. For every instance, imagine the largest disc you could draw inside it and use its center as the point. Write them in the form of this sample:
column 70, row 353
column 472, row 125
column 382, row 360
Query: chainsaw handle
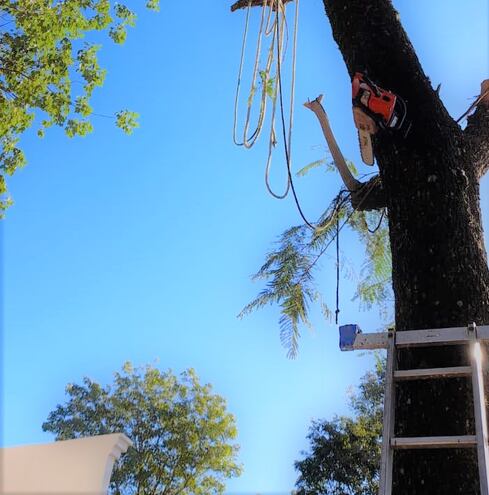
column 372, row 85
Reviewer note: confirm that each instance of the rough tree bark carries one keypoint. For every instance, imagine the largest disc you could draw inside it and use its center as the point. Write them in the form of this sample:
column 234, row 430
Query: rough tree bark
column 440, row 275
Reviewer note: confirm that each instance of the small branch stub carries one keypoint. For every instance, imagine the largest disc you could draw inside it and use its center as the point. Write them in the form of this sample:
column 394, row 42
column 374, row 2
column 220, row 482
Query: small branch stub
column 482, row 99
column 485, row 92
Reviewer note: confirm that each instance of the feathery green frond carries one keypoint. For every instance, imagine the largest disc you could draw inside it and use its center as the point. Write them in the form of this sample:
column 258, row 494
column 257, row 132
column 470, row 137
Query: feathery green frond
column 318, row 163
column 328, row 166
column 289, row 274
column 374, row 287
column 290, row 268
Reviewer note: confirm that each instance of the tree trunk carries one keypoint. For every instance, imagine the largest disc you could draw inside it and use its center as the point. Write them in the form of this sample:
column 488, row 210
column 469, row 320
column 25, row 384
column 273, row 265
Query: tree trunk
column 440, row 274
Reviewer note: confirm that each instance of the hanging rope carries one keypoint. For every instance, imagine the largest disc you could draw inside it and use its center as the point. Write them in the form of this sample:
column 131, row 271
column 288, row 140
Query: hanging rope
column 265, row 76
column 323, row 250
column 272, row 138
column 274, row 26
column 270, row 27
column 248, row 141
column 277, row 30
column 240, row 73
column 372, row 231
column 288, row 139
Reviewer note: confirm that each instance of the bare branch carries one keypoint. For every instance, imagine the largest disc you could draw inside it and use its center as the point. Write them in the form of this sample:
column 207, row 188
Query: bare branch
column 350, row 182
column 375, row 199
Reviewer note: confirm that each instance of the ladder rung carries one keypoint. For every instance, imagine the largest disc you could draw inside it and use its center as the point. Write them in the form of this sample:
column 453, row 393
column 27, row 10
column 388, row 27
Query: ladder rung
column 427, row 373
column 450, row 442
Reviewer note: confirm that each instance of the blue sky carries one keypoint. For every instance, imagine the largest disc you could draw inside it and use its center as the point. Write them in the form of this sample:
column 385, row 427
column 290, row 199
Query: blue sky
column 140, row 248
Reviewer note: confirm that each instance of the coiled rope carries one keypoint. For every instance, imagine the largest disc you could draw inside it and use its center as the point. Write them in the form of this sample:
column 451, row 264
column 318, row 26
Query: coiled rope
column 274, row 26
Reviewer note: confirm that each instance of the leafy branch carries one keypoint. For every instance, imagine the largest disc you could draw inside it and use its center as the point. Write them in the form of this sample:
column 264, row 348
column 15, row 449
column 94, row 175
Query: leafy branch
column 40, row 51
column 290, row 268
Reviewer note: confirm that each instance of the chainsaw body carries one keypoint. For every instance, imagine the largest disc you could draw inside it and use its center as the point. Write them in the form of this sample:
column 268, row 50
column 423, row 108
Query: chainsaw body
column 375, row 108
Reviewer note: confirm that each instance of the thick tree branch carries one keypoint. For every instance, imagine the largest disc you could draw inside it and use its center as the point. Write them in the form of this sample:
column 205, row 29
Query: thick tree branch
column 372, row 39
column 369, row 196
column 477, row 132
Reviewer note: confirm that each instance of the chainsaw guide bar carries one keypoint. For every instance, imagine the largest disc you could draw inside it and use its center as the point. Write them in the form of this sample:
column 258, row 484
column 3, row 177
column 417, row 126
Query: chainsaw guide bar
column 366, row 128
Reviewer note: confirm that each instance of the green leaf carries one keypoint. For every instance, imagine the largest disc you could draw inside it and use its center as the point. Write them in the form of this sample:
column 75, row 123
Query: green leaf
column 153, row 5
column 305, row 170
column 127, row 121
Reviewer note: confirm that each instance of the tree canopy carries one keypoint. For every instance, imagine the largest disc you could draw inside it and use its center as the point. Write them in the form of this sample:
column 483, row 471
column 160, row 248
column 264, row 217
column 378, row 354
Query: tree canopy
column 49, row 69
column 344, row 453
column 181, row 431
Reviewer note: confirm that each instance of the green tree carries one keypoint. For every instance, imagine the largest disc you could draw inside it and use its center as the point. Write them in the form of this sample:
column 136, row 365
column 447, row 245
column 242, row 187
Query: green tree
column 344, row 454
column 181, row 431
column 49, row 69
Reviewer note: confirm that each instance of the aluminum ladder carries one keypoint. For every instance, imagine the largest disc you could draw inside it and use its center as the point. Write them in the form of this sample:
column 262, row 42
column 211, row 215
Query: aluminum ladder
column 351, row 338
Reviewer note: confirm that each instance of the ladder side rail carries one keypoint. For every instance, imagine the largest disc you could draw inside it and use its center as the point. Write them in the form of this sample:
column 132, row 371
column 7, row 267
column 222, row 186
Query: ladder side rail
column 387, row 457
column 480, row 417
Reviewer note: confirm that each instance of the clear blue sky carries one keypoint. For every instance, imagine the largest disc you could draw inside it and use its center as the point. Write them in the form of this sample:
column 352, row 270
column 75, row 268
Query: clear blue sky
column 140, row 248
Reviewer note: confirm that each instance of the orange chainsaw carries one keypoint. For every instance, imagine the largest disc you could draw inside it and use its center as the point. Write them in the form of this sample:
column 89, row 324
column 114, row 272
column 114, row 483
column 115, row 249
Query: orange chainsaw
column 375, row 108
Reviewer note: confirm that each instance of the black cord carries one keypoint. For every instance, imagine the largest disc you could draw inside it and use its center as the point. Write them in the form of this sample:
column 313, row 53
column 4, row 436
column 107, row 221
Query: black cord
column 337, row 312
column 287, row 157
column 378, row 225
column 310, row 267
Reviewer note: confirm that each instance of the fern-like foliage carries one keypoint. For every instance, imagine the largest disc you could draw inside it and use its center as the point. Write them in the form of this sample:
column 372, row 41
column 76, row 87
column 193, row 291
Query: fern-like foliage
column 289, row 273
column 374, row 286
column 327, row 165
column 289, row 269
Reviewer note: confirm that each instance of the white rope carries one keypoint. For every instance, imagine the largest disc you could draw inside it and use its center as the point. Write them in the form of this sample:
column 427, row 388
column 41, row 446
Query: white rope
column 240, row 73
column 279, row 25
column 270, row 27
column 265, row 77
column 249, row 142
column 287, row 136
column 276, row 27
column 292, row 83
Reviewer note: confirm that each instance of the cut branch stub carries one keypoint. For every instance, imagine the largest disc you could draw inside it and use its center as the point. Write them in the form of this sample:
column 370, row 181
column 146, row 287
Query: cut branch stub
column 243, row 4
column 483, row 99
column 485, row 92
column 350, row 182
column 370, row 196
column 477, row 130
